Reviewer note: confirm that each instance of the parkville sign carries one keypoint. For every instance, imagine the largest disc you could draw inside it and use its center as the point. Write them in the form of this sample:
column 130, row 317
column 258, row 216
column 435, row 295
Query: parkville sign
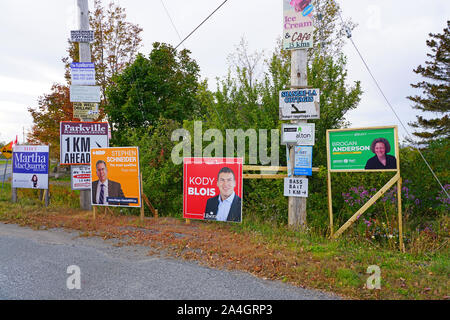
column 77, row 139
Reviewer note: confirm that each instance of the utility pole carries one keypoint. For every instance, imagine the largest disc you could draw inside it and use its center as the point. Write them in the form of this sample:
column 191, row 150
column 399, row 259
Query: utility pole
column 85, row 56
column 299, row 80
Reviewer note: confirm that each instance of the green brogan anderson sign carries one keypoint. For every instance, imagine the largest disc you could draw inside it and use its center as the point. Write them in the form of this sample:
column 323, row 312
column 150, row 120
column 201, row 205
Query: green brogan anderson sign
column 363, row 149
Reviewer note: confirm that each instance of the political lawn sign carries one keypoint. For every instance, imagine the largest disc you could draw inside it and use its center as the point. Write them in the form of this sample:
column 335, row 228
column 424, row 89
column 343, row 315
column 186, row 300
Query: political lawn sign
column 302, row 134
column 205, row 180
column 115, row 178
column 296, row 187
column 81, row 177
column 85, row 94
column 30, row 167
column 354, row 149
column 299, row 104
column 83, row 73
column 298, row 25
column 78, row 138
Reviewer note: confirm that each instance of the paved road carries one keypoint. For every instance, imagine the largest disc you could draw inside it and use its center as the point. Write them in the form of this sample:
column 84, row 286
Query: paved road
column 8, row 171
column 33, row 265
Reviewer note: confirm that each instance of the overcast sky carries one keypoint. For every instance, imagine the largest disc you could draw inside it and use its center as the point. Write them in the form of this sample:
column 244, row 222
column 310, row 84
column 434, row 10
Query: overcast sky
column 391, row 36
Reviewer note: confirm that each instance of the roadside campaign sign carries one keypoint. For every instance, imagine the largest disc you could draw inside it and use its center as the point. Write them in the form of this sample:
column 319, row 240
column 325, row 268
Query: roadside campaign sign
column 115, row 179
column 363, row 149
column 30, row 167
column 300, row 104
column 83, row 73
column 78, row 138
column 212, row 189
column 81, row 177
column 298, row 25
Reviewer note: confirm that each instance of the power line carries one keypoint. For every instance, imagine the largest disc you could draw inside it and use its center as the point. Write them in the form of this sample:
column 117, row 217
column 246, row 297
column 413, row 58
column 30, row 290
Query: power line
column 349, row 35
column 171, row 21
column 201, row 23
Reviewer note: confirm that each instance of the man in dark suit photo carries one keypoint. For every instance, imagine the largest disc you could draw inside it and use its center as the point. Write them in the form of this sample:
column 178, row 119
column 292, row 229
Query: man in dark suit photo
column 227, row 206
column 104, row 188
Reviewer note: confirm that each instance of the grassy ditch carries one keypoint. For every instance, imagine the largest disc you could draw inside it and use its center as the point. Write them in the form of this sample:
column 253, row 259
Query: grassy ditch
column 266, row 250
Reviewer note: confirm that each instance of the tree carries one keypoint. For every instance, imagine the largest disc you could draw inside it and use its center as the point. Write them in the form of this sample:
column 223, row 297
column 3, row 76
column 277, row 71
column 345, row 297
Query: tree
column 115, row 46
column 116, row 43
column 244, row 100
column 435, row 92
column 52, row 109
column 163, row 85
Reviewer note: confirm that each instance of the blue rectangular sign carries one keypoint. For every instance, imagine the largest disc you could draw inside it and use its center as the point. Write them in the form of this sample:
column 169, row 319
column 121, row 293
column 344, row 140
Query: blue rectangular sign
column 30, row 167
column 303, row 161
column 82, row 65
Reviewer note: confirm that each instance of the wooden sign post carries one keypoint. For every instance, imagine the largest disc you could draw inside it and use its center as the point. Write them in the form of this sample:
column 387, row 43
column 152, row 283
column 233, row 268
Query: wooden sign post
column 351, row 150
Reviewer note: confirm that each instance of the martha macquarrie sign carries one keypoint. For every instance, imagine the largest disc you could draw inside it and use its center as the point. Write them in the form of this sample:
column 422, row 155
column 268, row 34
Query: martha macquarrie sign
column 30, row 167
column 78, row 138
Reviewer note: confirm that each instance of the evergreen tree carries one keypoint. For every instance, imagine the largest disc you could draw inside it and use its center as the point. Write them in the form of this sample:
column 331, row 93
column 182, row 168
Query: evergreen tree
column 435, row 96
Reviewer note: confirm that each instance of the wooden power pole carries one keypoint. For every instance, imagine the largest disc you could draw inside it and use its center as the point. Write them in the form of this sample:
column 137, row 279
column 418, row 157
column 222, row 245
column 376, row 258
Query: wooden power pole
column 85, row 56
column 297, row 205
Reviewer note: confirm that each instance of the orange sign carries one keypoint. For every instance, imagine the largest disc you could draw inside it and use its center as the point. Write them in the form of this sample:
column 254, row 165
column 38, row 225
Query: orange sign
column 115, row 177
column 7, row 150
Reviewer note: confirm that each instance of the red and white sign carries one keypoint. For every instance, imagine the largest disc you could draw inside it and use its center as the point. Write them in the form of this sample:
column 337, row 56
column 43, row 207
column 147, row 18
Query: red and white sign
column 81, row 177
column 205, row 180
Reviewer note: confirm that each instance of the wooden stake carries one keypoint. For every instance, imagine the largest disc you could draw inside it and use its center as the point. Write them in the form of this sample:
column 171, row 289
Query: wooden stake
column 94, row 209
column 330, row 204
column 366, row 206
column 142, row 205
column 400, row 219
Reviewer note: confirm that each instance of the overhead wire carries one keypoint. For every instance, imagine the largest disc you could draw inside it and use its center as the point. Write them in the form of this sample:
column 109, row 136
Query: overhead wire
column 171, row 21
column 349, row 36
column 206, row 19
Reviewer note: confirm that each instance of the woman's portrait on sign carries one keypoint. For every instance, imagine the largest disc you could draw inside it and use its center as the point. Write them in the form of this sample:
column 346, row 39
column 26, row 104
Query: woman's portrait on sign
column 34, row 179
column 382, row 160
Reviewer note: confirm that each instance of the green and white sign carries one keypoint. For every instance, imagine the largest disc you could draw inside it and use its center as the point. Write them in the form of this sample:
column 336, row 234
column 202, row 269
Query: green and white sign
column 363, row 149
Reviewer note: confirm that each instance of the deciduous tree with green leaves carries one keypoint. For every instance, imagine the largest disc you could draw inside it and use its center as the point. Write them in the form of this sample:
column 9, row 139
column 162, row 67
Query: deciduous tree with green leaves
column 115, row 46
column 163, row 85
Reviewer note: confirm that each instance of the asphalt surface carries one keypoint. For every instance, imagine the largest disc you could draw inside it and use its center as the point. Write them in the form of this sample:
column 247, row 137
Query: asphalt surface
column 33, row 265
column 8, row 171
